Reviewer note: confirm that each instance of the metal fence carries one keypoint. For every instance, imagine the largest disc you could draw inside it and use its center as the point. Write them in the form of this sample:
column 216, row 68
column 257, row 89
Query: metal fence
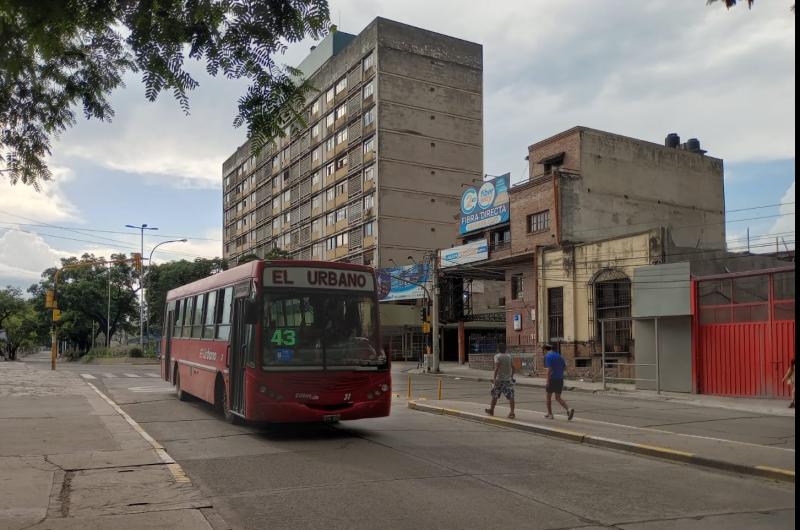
column 617, row 323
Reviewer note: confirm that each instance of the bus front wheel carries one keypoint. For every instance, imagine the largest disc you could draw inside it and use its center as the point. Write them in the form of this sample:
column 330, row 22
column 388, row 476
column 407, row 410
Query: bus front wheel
column 222, row 405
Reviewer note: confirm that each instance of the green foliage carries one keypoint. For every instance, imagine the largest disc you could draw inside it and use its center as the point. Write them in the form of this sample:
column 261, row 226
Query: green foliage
column 57, row 54
column 83, row 297
column 162, row 278
column 20, row 321
column 11, row 303
column 135, row 352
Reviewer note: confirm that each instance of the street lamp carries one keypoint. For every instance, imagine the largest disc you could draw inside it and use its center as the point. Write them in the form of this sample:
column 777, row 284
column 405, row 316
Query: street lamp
column 141, row 229
column 149, row 261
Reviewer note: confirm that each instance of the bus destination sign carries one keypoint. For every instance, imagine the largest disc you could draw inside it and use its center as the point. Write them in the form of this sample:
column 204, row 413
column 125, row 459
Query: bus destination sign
column 318, row 278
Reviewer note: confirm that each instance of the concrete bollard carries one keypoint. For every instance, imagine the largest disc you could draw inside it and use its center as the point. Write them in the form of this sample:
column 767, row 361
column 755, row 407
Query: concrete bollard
column 409, row 387
column 439, row 389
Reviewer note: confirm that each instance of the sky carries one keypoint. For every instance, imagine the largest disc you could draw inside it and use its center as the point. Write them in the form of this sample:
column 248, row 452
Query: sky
column 642, row 69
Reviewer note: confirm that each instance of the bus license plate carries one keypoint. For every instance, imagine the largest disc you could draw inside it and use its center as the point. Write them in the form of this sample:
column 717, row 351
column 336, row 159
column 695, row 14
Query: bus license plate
column 331, row 418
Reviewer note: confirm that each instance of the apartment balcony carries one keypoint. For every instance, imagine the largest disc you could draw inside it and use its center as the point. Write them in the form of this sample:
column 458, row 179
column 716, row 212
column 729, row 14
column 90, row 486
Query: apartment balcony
column 341, row 251
column 369, row 156
column 316, row 211
column 368, row 241
column 329, row 179
column 340, row 200
column 368, row 129
column 339, row 148
column 341, row 225
column 340, row 173
column 316, row 187
column 500, row 249
column 369, row 185
column 341, row 121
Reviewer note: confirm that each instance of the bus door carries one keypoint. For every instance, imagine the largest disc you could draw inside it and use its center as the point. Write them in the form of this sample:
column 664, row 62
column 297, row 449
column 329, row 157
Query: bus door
column 239, row 345
column 170, row 329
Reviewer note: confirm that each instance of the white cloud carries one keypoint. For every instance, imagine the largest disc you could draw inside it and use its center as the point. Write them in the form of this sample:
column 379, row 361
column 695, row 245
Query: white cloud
column 784, row 227
column 24, row 255
column 48, row 205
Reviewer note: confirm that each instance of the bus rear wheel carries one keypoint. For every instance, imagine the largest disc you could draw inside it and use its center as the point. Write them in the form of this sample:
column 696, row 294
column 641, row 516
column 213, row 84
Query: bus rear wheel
column 179, row 392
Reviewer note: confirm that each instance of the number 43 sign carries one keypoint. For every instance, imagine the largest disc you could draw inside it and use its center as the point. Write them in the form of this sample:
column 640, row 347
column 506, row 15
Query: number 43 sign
column 284, row 337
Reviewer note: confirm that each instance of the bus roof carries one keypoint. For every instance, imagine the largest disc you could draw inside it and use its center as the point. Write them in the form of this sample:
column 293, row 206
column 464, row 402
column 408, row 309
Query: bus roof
column 248, row 270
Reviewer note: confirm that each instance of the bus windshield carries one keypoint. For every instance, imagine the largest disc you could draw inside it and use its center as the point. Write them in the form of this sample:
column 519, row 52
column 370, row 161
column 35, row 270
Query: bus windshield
column 332, row 330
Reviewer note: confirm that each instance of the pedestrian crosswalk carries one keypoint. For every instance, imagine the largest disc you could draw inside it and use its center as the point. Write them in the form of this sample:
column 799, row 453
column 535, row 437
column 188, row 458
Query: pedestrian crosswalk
column 109, row 375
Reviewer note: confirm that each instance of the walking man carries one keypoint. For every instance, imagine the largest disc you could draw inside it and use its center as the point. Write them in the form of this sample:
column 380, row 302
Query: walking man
column 555, row 365
column 503, row 380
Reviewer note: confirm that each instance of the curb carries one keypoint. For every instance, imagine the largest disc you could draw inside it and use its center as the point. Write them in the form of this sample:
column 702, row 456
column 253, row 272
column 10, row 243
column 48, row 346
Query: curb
column 520, row 382
column 664, row 453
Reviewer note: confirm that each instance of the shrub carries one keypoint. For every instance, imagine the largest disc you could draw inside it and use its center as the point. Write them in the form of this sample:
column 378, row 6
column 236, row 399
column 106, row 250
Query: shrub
column 135, row 352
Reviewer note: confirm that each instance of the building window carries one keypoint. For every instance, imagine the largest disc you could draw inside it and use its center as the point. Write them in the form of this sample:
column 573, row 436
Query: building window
column 276, row 225
column 341, row 163
column 369, row 146
column 287, row 197
column 341, row 240
column 330, row 194
column 612, row 296
column 316, row 225
column 341, row 188
column 341, row 214
column 369, row 61
column 329, row 120
column 316, row 178
column 341, row 136
column 341, row 112
column 369, row 202
column 330, row 219
column 517, row 287
column 329, row 96
column 316, row 201
column 369, row 174
column 318, row 249
column 539, row 222
column 555, row 313
column 330, row 243
column 369, row 117
column 330, row 143
column 341, row 85
column 369, row 229
column 287, row 218
column 315, row 130
column 330, row 169
column 369, row 89
column 315, row 107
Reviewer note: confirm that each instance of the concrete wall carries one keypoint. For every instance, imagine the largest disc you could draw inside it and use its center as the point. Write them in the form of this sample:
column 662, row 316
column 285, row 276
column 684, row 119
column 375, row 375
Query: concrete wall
column 675, row 353
column 662, row 290
column 430, row 136
column 630, row 185
column 525, row 200
column 574, row 268
column 528, row 334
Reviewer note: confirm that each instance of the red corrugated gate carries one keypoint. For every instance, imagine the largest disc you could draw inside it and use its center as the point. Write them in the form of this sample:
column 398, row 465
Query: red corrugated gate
column 745, row 333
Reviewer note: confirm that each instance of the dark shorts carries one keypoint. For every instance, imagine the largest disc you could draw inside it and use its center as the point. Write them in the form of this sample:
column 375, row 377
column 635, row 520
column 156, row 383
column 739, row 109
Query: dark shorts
column 505, row 388
column 555, row 386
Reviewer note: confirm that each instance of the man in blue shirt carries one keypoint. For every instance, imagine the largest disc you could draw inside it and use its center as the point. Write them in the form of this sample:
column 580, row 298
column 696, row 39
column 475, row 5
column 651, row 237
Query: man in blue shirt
column 555, row 365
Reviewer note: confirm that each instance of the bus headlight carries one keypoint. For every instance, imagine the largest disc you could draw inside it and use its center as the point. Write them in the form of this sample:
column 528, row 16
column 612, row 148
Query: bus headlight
column 385, row 387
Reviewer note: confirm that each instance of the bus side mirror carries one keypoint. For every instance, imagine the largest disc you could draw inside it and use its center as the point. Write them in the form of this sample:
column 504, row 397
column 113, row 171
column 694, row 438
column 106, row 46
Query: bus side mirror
column 250, row 312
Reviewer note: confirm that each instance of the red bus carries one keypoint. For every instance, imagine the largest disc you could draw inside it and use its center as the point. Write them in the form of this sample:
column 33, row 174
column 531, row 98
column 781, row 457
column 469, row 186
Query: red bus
column 279, row 341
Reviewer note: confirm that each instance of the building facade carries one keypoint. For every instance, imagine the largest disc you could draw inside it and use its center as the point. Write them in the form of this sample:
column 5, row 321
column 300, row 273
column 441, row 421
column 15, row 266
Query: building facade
column 391, row 133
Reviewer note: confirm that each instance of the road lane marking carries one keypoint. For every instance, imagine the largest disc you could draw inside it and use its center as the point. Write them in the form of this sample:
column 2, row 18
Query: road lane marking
column 109, row 375
column 88, row 376
column 132, row 375
column 174, row 468
column 152, row 375
column 151, row 389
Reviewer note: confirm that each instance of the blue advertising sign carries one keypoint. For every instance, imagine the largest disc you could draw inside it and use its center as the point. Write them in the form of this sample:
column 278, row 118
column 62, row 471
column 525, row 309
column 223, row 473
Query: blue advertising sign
column 485, row 206
column 403, row 283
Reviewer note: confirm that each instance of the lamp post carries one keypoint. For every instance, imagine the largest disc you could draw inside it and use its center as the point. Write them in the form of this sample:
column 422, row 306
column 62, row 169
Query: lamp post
column 141, row 229
column 149, row 261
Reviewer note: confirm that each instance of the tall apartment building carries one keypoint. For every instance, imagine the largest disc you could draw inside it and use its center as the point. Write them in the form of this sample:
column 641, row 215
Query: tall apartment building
column 392, row 132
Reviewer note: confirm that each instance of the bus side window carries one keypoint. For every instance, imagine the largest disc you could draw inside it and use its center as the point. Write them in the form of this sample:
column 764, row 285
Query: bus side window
column 187, row 317
column 224, row 313
column 211, row 315
column 199, row 305
column 179, row 318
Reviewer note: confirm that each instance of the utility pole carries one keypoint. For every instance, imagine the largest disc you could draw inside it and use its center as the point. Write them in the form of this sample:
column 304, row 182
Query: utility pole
column 108, row 310
column 141, row 228
column 435, row 310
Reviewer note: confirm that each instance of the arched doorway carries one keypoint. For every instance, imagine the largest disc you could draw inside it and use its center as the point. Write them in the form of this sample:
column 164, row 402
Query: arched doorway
column 611, row 289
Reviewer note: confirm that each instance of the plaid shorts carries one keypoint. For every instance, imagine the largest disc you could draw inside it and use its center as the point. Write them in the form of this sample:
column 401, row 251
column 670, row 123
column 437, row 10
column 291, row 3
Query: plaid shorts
column 505, row 388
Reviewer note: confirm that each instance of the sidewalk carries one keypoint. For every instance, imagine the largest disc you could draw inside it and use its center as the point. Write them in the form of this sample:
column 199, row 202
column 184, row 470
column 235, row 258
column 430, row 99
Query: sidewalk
column 776, row 463
column 70, row 458
column 454, row 370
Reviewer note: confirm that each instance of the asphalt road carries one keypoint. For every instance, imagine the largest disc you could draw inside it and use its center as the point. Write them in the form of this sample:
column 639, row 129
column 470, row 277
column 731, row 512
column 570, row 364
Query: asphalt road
column 418, row 470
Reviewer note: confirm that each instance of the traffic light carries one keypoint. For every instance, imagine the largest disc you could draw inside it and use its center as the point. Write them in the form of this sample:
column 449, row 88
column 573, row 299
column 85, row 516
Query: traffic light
column 423, row 313
column 137, row 261
column 50, row 299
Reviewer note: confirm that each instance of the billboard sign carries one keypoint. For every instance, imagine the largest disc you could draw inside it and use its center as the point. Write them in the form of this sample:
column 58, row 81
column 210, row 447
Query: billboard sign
column 475, row 251
column 403, row 283
column 486, row 205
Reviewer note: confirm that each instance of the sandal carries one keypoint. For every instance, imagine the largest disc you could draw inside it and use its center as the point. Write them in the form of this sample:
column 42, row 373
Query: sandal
column 490, row 412
column 548, row 416
column 511, row 416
